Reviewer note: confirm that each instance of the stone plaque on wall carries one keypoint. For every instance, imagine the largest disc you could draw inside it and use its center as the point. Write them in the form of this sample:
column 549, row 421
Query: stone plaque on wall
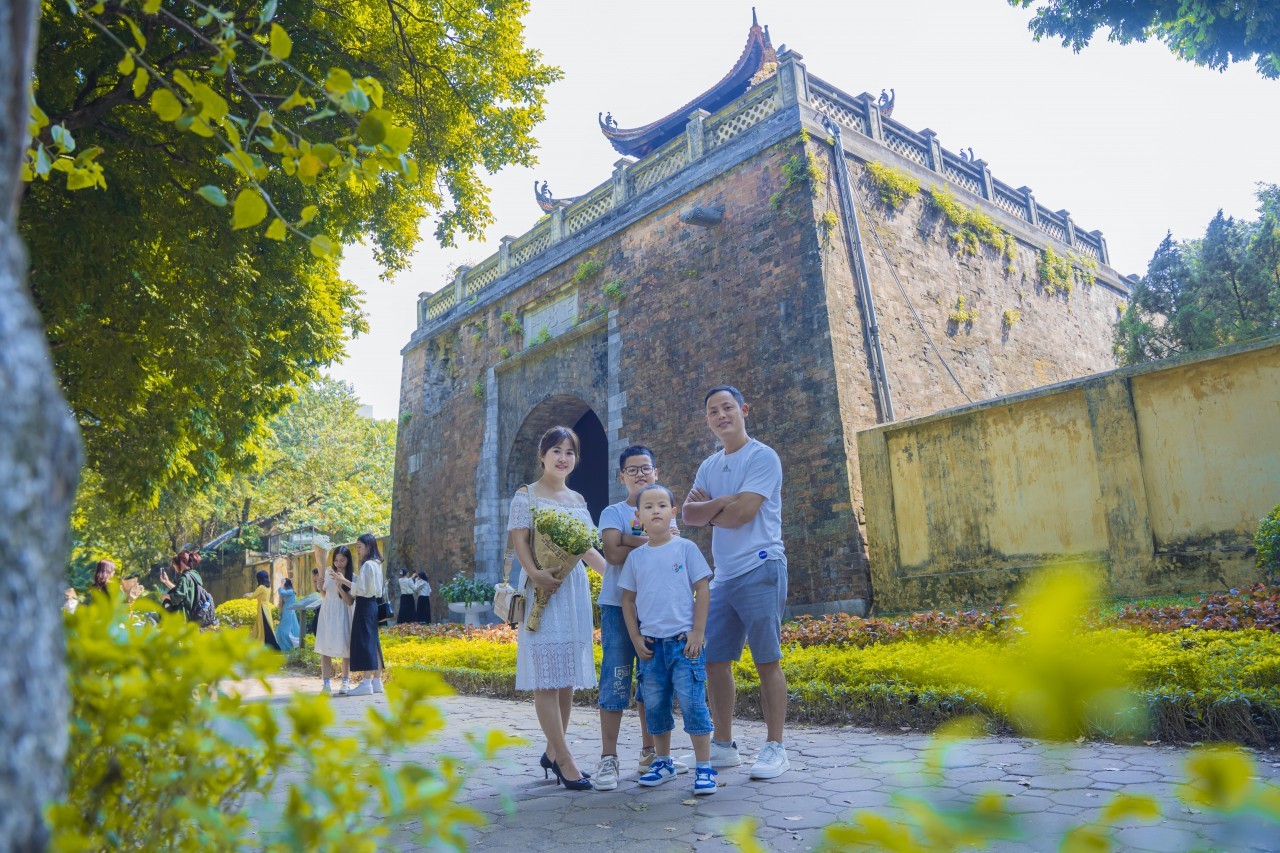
column 556, row 317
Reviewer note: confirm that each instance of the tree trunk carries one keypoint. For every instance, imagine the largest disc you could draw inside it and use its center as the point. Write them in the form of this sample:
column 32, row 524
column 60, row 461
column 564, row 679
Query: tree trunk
column 39, row 465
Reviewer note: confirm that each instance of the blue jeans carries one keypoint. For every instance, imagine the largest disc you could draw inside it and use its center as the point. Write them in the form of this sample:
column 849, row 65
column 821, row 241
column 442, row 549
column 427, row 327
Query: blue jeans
column 667, row 672
column 617, row 662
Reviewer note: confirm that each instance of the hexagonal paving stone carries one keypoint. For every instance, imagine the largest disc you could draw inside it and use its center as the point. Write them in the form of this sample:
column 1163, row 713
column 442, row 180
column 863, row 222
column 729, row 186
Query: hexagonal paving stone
column 1159, row 838
column 1060, row 782
column 1125, row 777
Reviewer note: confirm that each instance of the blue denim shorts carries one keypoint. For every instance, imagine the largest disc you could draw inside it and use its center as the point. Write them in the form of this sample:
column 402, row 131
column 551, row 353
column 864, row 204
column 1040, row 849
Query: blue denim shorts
column 668, row 672
column 617, row 662
column 748, row 610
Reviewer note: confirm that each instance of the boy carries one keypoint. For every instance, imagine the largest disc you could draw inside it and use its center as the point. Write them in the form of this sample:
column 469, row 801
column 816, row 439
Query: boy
column 665, row 597
column 622, row 532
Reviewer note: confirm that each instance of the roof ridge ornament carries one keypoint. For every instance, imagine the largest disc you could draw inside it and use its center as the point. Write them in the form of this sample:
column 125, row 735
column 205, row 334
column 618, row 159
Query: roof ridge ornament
column 640, row 141
column 886, row 102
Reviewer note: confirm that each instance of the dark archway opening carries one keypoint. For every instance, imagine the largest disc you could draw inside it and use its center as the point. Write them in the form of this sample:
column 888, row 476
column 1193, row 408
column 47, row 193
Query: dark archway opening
column 591, row 478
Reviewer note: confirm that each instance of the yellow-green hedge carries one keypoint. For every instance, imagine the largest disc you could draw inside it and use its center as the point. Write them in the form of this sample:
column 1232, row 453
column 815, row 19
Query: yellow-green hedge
column 240, row 613
column 1190, row 684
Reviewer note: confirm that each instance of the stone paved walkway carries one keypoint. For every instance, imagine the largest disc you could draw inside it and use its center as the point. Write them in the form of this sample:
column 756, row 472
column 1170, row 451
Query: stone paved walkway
column 833, row 771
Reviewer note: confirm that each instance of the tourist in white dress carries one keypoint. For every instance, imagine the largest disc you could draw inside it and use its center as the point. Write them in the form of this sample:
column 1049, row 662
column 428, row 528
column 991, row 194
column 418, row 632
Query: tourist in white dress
column 557, row 658
column 333, row 625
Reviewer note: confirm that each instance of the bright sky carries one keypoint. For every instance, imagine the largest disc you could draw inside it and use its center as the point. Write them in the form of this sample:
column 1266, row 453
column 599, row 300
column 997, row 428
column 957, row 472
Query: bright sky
column 1131, row 141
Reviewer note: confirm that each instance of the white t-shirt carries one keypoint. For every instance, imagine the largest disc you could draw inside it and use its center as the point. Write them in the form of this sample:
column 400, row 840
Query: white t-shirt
column 620, row 516
column 662, row 579
column 754, row 468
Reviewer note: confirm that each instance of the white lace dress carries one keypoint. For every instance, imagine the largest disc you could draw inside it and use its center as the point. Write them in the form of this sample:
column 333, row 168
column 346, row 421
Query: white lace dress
column 559, row 653
column 333, row 625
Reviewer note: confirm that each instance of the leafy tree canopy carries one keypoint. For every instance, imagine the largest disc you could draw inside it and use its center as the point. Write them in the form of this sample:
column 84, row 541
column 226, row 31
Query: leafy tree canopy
column 1222, row 288
column 1213, row 33
column 321, row 464
column 176, row 334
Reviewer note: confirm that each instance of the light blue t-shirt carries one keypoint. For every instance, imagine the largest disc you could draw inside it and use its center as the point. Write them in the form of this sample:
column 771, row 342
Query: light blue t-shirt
column 662, row 579
column 620, row 516
column 754, row 468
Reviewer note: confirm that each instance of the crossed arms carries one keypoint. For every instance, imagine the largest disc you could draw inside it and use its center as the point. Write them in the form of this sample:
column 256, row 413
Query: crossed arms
column 700, row 509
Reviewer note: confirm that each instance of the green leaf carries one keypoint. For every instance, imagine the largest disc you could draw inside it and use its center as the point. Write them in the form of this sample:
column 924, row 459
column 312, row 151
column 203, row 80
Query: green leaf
column 63, row 139
column 213, row 195
column 322, row 246
column 338, row 82
column 249, row 209
column 150, row 7
column 137, row 33
column 268, row 12
column 372, row 131
column 125, row 66
column 297, row 99
column 140, row 82
column 281, row 44
column 309, row 213
column 166, row 105
column 276, row 230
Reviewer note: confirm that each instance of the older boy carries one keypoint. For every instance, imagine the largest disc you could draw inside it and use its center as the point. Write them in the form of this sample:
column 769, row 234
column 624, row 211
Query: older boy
column 621, row 532
column 665, row 594
column 738, row 491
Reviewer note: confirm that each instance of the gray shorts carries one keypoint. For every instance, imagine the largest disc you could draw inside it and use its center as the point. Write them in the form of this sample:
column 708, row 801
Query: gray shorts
column 748, row 609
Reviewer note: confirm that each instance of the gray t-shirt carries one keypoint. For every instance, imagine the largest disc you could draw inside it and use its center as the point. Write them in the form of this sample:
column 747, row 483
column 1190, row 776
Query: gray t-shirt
column 620, row 516
column 753, row 468
column 662, row 579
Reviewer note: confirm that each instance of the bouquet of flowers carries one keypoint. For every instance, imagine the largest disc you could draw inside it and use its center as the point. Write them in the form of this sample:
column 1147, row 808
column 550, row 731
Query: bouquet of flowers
column 559, row 542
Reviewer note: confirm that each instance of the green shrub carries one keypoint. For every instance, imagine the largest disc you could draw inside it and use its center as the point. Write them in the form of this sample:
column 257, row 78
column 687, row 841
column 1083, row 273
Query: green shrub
column 894, row 186
column 157, row 760
column 1267, row 541
column 240, row 613
column 1055, row 271
column 962, row 314
column 587, row 270
column 465, row 590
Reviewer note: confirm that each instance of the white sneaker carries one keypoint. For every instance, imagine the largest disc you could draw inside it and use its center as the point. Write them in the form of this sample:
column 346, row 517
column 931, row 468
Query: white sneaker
column 725, row 756
column 660, row 771
column 344, row 688
column 364, row 688
column 771, row 762
column 377, row 685
column 606, row 775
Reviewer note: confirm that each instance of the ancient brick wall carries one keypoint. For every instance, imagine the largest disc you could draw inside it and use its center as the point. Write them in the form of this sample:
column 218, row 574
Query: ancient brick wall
column 765, row 301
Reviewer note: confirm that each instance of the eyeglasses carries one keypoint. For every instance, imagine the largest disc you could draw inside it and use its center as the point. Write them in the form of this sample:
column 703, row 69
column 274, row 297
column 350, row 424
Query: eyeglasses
column 634, row 470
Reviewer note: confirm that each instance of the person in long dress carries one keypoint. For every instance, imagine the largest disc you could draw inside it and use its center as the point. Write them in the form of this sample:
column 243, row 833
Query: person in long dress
column 287, row 631
column 405, row 614
column 423, row 587
column 557, row 658
column 262, row 629
column 333, row 623
column 366, row 589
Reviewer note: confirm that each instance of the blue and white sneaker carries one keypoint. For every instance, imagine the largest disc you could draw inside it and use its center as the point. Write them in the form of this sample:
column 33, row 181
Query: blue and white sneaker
column 662, row 770
column 704, row 782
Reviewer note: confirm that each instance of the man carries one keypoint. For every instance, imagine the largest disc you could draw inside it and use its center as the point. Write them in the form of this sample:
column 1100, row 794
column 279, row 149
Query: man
column 738, row 491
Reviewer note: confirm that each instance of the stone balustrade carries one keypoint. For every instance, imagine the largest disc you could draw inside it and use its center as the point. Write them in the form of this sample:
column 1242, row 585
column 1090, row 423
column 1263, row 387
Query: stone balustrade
column 706, row 132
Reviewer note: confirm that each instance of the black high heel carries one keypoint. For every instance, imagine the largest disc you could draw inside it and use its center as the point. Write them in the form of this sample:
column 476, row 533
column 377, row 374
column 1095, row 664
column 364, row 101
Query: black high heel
column 583, row 784
column 547, row 764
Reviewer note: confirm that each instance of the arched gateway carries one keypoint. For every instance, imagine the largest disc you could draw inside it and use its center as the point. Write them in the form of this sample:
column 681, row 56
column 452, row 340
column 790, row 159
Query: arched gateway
column 590, row 478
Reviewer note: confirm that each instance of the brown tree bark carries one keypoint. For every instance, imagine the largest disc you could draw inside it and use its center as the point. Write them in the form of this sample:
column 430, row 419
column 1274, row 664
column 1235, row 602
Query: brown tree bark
column 39, row 466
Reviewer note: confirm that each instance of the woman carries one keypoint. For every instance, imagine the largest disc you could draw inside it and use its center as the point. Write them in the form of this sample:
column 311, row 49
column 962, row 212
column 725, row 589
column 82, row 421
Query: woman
column 333, row 623
column 102, row 573
column 557, row 658
column 287, row 632
column 261, row 628
column 405, row 614
column 423, row 587
column 183, row 591
column 366, row 589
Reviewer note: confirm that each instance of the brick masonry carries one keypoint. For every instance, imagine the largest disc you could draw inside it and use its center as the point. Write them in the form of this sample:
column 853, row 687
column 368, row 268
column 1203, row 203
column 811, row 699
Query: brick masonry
column 764, row 301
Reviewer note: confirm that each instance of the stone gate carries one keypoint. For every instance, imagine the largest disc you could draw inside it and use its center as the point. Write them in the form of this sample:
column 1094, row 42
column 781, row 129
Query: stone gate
column 724, row 248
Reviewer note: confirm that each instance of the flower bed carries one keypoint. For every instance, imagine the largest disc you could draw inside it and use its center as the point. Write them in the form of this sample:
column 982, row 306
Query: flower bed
column 1189, row 683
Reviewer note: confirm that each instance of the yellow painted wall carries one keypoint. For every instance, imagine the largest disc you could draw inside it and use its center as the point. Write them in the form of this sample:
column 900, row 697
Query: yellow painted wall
column 1216, row 406
column 1158, row 474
